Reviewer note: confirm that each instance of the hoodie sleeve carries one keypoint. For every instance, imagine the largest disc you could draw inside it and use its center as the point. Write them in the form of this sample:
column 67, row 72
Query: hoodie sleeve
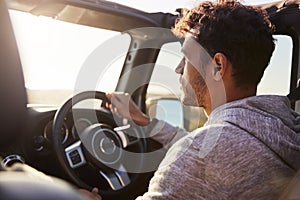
column 164, row 133
column 173, row 179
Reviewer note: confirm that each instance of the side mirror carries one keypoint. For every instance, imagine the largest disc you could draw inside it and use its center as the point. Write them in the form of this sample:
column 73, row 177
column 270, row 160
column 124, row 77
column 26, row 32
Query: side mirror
column 173, row 112
column 169, row 110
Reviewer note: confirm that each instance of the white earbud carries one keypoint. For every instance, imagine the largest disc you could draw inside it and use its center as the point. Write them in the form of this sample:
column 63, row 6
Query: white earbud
column 217, row 76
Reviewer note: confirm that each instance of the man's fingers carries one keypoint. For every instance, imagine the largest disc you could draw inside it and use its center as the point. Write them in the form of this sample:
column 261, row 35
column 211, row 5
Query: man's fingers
column 121, row 102
column 108, row 96
column 93, row 195
column 119, row 97
column 122, row 105
column 117, row 100
column 95, row 190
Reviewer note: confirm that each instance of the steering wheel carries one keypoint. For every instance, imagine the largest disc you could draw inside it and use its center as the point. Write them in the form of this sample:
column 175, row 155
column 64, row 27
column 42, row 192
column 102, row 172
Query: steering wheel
column 100, row 155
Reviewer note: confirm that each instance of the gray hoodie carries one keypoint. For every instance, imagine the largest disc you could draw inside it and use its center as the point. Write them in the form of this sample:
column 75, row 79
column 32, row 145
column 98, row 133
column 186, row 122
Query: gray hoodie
column 248, row 149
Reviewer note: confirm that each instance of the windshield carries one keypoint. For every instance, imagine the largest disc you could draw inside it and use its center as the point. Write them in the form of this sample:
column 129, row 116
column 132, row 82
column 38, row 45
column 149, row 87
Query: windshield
column 54, row 54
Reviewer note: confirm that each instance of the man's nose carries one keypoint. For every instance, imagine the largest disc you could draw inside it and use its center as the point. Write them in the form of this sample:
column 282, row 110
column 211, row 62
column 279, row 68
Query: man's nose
column 179, row 69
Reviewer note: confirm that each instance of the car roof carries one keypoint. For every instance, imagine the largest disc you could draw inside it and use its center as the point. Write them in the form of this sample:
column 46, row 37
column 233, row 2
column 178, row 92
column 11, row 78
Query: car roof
column 114, row 16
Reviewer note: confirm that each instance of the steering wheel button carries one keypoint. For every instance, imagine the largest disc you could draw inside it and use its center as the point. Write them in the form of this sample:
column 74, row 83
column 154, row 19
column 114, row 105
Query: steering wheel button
column 76, row 160
column 75, row 155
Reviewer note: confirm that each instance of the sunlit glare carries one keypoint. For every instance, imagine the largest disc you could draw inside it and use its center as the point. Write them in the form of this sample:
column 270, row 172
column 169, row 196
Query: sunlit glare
column 52, row 51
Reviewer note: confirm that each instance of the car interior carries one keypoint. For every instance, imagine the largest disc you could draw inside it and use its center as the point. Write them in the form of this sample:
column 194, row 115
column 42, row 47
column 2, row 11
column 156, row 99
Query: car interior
column 79, row 140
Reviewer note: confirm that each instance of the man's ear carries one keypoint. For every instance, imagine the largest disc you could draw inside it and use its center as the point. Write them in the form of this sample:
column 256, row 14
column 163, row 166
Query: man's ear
column 220, row 64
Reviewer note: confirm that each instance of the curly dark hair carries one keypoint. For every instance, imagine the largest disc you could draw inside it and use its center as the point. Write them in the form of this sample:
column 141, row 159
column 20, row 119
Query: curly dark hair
column 242, row 33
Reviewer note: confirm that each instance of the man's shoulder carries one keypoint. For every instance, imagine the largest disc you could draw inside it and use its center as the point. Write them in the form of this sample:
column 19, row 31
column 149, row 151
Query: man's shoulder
column 202, row 141
column 218, row 139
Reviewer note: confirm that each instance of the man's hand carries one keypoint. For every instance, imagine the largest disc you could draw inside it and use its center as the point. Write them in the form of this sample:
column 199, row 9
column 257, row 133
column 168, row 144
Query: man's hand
column 123, row 105
column 93, row 195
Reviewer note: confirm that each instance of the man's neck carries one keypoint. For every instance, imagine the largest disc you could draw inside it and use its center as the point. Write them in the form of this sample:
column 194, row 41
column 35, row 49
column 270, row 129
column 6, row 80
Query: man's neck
column 231, row 95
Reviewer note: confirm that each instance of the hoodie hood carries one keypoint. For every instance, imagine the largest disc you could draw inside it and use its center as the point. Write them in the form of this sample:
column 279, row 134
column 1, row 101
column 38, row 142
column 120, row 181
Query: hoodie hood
column 268, row 118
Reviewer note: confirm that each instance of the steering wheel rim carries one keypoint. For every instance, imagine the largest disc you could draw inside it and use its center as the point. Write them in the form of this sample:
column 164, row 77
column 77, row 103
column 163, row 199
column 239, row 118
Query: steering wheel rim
column 60, row 151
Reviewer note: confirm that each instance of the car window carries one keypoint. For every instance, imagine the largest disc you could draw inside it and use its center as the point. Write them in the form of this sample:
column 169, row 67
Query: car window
column 164, row 83
column 54, row 53
column 164, row 86
column 277, row 76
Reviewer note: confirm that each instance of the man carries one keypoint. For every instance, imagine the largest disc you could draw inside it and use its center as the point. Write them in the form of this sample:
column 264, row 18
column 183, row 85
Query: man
column 249, row 147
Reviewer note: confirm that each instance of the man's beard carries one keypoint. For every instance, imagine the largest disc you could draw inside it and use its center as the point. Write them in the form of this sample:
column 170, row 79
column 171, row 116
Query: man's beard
column 195, row 93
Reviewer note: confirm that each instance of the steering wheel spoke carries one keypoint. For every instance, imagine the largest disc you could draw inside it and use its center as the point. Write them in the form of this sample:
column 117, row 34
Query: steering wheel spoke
column 128, row 135
column 75, row 155
column 116, row 179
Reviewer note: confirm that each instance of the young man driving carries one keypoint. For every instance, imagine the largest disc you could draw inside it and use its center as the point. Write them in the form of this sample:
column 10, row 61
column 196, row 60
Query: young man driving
column 249, row 147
